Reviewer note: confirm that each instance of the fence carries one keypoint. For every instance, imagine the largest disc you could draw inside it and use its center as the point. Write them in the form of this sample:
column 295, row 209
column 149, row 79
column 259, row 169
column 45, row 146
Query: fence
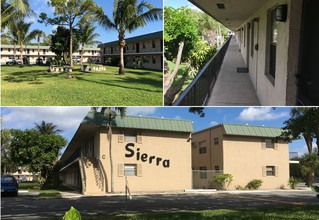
column 198, row 92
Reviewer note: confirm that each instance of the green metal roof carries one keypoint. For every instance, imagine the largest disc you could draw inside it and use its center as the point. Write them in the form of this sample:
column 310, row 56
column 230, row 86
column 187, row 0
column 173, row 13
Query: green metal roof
column 42, row 47
column 140, row 38
column 250, row 130
column 140, row 122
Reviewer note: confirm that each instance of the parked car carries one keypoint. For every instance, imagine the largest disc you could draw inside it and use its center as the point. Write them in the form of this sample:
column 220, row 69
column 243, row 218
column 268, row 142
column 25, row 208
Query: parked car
column 11, row 61
column 39, row 61
column 9, row 184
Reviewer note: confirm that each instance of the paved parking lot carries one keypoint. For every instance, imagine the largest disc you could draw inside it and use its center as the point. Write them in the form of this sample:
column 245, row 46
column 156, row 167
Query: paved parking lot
column 26, row 205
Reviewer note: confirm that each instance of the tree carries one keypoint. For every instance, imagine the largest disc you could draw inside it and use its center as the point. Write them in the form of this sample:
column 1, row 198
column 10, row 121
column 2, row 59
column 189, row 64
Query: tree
column 197, row 110
column 7, row 165
column 47, row 128
column 14, row 10
column 36, row 151
column 87, row 37
column 180, row 35
column 128, row 15
column 12, row 37
column 24, row 35
column 304, row 122
column 60, row 42
column 309, row 165
column 110, row 113
column 39, row 34
column 69, row 13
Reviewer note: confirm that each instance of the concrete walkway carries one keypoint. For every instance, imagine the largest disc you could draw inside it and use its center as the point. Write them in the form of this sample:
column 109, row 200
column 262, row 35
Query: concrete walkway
column 232, row 88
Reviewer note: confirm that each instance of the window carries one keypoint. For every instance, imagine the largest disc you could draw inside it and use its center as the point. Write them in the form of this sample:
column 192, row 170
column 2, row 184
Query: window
column 272, row 42
column 269, row 143
column 130, row 136
column 153, row 60
column 217, row 169
column 104, row 50
column 153, row 44
column 202, row 147
column 43, row 51
column 270, row 171
column 28, row 51
column 216, row 141
column 130, row 169
column 203, row 172
column 9, row 50
column 143, row 46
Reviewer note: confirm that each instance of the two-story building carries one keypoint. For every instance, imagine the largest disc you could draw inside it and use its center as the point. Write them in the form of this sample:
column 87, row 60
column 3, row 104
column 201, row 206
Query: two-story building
column 278, row 42
column 246, row 152
column 32, row 53
column 147, row 48
column 154, row 154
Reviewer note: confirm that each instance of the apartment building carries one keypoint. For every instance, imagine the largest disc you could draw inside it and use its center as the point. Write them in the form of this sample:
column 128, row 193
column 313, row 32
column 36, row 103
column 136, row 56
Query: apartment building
column 278, row 42
column 31, row 52
column 246, row 152
column 148, row 48
column 154, row 154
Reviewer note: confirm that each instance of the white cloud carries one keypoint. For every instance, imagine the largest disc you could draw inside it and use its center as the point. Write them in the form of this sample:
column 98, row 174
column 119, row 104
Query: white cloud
column 213, row 123
column 260, row 114
column 144, row 111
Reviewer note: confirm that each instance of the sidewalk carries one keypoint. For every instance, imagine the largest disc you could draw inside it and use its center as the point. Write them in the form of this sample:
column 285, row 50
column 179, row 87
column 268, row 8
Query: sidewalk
column 232, row 88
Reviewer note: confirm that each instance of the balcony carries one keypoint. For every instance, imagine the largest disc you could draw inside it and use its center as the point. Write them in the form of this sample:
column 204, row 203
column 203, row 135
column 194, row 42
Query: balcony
column 221, row 82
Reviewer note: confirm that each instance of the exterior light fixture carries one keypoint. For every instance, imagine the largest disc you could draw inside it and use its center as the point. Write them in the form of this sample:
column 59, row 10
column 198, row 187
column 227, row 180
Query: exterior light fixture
column 281, row 13
column 220, row 5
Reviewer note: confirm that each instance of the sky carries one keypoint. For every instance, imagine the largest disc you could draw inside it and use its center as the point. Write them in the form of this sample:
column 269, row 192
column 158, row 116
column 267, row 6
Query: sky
column 40, row 6
column 69, row 118
column 178, row 3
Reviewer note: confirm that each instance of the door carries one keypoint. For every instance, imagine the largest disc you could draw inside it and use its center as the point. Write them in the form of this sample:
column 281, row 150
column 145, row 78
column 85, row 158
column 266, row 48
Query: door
column 255, row 49
column 248, row 44
column 137, row 47
column 308, row 76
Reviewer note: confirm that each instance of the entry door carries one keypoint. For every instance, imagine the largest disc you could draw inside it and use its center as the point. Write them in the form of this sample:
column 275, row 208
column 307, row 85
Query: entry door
column 308, row 76
column 248, row 28
column 137, row 47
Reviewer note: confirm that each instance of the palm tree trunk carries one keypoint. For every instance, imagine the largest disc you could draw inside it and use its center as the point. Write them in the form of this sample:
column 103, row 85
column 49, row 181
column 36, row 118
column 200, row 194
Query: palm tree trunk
column 14, row 51
column 38, row 47
column 122, row 45
column 71, row 46
column 21, row 54
column 82, row 52
column 109, row 134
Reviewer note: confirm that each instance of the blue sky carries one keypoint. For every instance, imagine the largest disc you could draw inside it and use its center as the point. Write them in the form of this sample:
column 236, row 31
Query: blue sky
column 69, row 118
column 178, row 3
column 40, row 6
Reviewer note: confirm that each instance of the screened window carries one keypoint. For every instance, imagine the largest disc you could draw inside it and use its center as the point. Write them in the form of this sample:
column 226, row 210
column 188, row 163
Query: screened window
column 153, row 44
column 130, row 136
column 216, row 141
column 270, row 171
column 203, row 172
column 270, row 143
column 202, row 147
column 130, row 170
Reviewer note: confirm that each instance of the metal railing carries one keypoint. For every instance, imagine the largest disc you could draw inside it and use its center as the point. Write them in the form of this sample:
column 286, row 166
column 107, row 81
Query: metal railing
column 198, row 92
column 102, row 175
column 83, row 179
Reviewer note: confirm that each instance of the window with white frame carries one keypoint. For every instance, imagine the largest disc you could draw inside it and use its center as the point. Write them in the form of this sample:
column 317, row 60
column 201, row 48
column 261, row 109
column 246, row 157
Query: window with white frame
column 270, row 170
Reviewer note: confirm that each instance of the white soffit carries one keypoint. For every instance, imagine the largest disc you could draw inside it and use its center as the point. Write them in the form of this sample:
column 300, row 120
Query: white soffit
column 235, row 13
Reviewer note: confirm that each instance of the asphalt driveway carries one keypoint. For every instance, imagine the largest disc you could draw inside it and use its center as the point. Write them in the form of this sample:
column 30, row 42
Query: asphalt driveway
column 26, row 205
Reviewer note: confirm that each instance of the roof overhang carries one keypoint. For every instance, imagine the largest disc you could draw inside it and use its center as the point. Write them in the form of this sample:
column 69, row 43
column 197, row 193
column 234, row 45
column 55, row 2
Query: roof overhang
column 231, row 13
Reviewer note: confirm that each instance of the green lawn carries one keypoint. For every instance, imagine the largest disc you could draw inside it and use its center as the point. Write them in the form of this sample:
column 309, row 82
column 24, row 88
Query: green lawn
column 34, row 86
column 293, row 213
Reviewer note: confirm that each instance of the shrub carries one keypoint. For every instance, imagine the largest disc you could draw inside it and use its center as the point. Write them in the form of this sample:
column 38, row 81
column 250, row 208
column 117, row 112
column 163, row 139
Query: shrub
column 223, row 180
column 254, row 184
column 293, row 182
column 240, row 187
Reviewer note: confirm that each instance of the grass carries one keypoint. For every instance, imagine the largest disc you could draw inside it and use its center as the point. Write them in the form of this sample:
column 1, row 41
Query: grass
column 293, row 213
column 34, row 86
column 49, row 193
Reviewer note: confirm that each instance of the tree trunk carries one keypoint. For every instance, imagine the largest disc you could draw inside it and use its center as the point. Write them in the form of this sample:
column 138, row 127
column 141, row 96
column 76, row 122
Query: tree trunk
column 171, row 92
column 122, row 45
column 21, row 54
column 38, row 47
column 82, row 52
column 170, row 78
column 308, row 140
column 14, row 51
column 109, row 134
column 71, row 46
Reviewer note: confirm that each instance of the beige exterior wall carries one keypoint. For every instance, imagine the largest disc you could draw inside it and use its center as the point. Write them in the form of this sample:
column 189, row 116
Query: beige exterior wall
column 245, row 157
column 283, row 90
column 45, row 53
column 171, row 146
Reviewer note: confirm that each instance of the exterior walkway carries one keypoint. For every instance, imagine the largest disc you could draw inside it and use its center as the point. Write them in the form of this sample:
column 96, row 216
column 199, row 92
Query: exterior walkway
column 232, row 88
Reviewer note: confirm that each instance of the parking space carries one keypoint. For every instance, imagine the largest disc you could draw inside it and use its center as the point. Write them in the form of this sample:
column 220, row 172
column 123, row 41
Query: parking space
column 27, row 205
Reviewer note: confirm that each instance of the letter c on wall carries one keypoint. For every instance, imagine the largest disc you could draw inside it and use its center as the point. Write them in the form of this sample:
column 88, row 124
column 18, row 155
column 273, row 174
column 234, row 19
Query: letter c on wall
column 103, row 156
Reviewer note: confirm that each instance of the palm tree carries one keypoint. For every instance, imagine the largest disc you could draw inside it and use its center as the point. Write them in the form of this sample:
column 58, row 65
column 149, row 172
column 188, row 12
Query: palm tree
column 39, row 34
column 87, row 37
column 47, row 128
column 110, row 113
column 12, row 10
column 24, row 35
column 128, row 15
column 12, row 37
